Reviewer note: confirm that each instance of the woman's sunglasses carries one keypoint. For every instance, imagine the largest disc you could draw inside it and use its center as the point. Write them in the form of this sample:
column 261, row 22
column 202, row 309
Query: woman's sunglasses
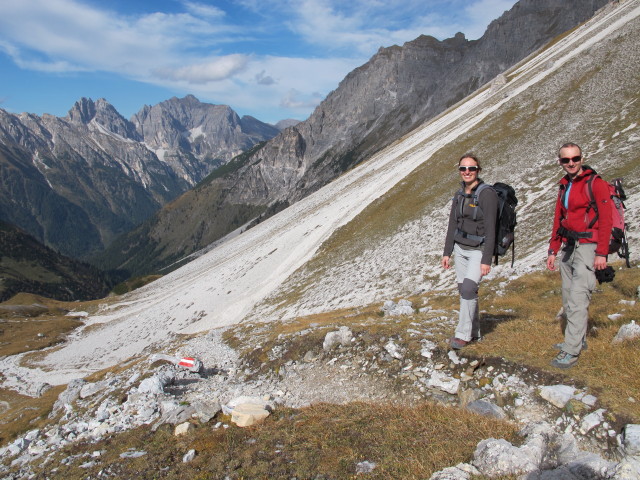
column 565, row 160
column 472, row 168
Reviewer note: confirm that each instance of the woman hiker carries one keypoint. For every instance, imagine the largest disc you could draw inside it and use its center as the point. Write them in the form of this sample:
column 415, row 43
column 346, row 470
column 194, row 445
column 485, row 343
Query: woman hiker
column 471, row 238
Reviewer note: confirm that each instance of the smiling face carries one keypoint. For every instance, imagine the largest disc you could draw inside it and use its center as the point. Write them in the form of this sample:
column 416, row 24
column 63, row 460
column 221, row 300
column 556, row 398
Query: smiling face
column 570, row 159
column 468, row 177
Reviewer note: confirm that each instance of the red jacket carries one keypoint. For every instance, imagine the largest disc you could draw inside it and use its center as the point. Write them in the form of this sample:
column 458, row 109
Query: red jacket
column 579, row 214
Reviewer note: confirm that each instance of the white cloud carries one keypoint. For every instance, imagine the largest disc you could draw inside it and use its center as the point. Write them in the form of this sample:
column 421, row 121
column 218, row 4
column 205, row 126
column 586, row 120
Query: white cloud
column 202, row 50
column 294, row 99
column 203, row 10
column 206, row 72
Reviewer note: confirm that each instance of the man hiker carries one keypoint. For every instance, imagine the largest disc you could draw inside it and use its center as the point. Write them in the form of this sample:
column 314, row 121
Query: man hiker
column 583, row 230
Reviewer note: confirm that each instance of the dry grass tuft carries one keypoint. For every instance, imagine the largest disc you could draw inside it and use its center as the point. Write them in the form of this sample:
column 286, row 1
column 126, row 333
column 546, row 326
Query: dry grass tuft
column 322, row 441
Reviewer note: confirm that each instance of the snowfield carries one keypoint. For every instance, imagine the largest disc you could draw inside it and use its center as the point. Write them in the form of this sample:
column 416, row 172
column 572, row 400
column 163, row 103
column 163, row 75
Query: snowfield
column 227, row 284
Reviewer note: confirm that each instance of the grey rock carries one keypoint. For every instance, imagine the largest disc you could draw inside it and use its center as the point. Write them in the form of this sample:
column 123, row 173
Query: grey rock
column 189, row 456
column 487, row 409
column 343, row 337
column 628, row 469
column 450, row 473
column 206, row 409
column 557, row 395
column 133, row 454
column 394, row 350
column 90, row 389
column 631, row 439
column 70, row 395
column 627, row 332
column 494, row 457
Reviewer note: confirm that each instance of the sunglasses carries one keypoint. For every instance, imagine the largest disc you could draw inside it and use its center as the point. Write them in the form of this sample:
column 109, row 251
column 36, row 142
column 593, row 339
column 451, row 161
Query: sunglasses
column 565, row 160
column 472, row 168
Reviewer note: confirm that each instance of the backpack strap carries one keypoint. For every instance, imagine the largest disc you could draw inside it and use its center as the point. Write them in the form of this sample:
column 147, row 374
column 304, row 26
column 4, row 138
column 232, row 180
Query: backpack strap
column 592, row 199
column 476, row 195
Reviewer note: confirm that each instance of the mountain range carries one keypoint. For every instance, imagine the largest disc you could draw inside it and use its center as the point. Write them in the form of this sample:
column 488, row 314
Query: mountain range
column 375, row 105
column 376, row 233
column 75, row 183
column 78, row 183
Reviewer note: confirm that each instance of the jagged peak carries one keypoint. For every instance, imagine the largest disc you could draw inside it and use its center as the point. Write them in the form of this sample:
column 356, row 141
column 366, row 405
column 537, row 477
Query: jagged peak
column 82, row 111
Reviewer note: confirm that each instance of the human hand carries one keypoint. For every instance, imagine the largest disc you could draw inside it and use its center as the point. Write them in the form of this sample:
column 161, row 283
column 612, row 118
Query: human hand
column 551, row 262
column 600, row 263
column 485, row 269
column 446, row 262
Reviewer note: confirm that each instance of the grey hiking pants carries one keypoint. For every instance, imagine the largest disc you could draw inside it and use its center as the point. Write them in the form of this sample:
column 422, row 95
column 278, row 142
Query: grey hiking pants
column 467, row 263
column 578, row 282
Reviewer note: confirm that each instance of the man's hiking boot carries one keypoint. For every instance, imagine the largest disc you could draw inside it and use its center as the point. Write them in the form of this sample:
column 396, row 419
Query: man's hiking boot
column 564, row 360
column 560, row 346
column 457, row 344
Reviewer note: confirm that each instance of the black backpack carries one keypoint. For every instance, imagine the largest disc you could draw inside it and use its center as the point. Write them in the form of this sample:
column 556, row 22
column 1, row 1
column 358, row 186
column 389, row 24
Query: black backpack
column 505, row 220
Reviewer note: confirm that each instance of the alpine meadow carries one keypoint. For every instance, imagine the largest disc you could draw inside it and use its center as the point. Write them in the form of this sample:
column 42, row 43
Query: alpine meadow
column 295, row 316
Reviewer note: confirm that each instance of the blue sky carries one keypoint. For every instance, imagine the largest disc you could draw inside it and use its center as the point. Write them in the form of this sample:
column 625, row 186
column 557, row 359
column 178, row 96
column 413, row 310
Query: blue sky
column 272, row 59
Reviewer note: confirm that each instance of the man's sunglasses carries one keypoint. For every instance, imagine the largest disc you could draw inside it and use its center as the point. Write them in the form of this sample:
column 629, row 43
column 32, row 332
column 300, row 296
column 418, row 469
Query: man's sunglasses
column 473, row 168
column 565, row 160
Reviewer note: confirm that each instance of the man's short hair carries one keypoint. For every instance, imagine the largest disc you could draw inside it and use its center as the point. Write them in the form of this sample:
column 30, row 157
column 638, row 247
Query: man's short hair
column 568, row 145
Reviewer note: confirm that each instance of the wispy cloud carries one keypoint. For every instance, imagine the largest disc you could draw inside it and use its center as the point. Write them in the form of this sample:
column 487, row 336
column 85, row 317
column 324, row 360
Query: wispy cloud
column 202, row 73
column 220, row 55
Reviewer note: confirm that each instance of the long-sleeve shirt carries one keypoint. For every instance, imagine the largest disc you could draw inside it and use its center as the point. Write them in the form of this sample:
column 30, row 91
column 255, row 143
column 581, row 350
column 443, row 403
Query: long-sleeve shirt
column 461, row 220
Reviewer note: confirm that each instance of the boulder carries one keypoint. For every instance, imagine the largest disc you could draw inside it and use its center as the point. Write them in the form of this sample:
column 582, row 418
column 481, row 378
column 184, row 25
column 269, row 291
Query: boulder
column 631, row 440
column 183, row 429
column 496, row 457
column 557, row 395
column 70, row 395
column 247, row 414
column 342, row 337
column 444, row 382
column 627, row 332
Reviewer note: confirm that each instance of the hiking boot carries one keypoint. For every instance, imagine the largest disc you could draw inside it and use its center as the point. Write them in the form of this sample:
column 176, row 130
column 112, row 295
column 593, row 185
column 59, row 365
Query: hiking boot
column 457, row 344
column 560, row 346
column 564, row 360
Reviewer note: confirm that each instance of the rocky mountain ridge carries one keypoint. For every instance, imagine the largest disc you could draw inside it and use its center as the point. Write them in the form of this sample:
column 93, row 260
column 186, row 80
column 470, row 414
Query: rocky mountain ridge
column 377, row 103
column 76, row 182
column 28, row 266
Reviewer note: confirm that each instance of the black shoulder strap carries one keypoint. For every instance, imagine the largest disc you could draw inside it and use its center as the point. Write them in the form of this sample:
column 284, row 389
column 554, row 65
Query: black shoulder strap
column 592, row 199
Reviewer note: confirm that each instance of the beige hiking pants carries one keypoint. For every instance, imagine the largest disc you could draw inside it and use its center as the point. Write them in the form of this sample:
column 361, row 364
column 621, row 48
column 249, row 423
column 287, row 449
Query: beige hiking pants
column 578, row 282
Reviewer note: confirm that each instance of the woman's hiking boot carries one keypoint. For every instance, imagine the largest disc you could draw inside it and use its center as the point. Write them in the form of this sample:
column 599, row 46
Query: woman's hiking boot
column 457, row 343
column 564, row 360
